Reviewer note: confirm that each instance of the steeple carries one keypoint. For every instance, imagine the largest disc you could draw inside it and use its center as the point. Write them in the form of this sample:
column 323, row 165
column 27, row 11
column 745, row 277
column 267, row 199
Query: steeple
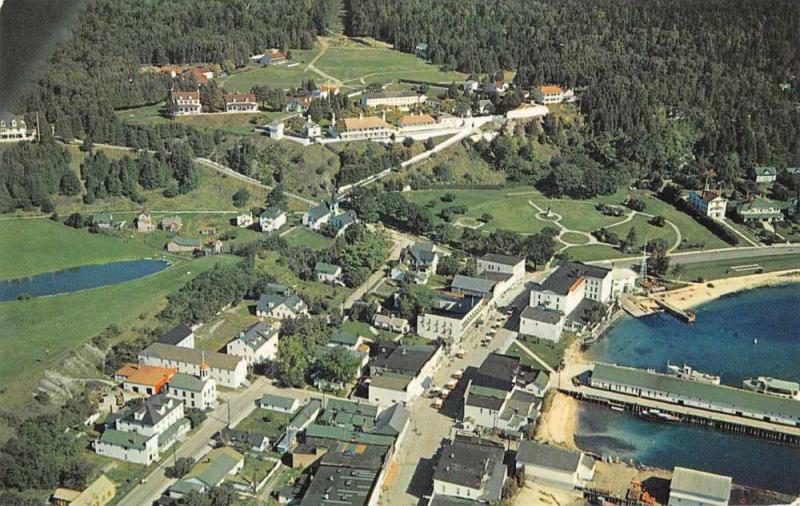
column 203, row 366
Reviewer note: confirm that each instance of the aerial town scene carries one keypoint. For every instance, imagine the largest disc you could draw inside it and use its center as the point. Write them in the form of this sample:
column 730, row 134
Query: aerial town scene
column 399, row 252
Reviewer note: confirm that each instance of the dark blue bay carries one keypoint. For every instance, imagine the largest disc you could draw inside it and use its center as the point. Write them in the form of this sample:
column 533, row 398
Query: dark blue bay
column 79, row 278
column 721, row 342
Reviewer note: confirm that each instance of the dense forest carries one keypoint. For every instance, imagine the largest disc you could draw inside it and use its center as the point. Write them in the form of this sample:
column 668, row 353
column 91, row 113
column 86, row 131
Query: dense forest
column 97, row 69
column 720, row 76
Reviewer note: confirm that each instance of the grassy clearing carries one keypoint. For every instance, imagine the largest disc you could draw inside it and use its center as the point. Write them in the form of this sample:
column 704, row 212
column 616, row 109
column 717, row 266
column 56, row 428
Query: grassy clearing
column 40, row 332
column 719, row 269
column 235, row 124
column 574, row 238
column 281, row 76
column 42, row 245
column 590, row 253
column 264, row 421
column 217, row 333
column 373, row 64
column 551, row 353
column 645, row 231
column 270, row 262
column 302, row 236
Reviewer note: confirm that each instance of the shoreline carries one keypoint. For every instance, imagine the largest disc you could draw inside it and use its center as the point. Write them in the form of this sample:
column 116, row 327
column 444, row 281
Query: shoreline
column 697, row 294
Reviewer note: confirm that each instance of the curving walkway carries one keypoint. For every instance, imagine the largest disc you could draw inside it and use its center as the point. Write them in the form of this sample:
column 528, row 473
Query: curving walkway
column 555, row 219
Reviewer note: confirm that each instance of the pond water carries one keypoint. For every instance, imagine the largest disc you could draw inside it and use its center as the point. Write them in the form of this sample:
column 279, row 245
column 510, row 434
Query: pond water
column 79, row 278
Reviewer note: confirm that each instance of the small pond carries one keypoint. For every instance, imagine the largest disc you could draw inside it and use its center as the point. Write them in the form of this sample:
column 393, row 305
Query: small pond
column 79, row 278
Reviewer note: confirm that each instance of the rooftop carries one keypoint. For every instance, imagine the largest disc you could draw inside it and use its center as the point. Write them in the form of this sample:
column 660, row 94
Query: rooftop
column 145, row 374
column 543, row 315
column 150, row 411
column 257, row 334
column 468, row 462
column 699, row 483
column 215, row 466
column 569, row 275
column 132, row 440
column 278, row 401
column 214, row 359
column 550, row 89
column 401, row 358
column 718, row 395
column 390, row 381
column 340, row 486
column 177, row 334
column 548, row 456
column 417, row 119
column 502, row 259
column 187, row 382
column 368, row 123
column 453, row 306
column 469, row 284
column 326, row 268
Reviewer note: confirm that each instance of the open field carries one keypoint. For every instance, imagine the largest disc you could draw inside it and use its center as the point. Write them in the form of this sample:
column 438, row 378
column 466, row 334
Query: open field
column 280, row 76
column 236, row 124
column 41, row 245
column 214, row 335
column 270, row 262
column 302, row 236
column 264, row 421
column 40, row 332
column 645, row 231
column 372, row 64
column 590, row 253
column 511, row 210
column 214, row 193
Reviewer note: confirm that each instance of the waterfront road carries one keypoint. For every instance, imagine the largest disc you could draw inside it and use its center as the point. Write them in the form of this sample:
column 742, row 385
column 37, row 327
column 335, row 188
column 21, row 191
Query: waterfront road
column 694, row 257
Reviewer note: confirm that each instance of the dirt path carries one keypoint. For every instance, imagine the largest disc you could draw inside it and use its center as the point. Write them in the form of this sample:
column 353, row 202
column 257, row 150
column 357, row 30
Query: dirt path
column 323, row 45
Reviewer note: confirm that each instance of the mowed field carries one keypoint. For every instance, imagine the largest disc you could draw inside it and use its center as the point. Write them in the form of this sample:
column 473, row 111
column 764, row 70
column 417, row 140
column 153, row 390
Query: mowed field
column 39, row 332
column 372, row 64
column 511, row 210
column 33, row 246
column 347, row 62
column 235, row 124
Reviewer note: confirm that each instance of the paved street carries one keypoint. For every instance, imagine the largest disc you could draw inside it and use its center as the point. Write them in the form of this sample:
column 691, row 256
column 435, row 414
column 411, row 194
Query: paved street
column 414, row 459
column 692, row 257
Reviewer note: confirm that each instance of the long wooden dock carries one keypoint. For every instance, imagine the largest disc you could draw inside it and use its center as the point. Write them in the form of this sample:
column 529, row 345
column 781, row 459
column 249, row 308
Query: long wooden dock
column 784, row 434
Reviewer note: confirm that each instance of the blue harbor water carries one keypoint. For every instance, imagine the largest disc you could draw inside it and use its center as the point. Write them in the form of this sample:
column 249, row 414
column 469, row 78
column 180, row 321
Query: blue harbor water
column 722, row 342
column 79, row 278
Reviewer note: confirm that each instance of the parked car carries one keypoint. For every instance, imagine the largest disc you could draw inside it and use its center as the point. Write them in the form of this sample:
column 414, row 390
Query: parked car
column 458, row 374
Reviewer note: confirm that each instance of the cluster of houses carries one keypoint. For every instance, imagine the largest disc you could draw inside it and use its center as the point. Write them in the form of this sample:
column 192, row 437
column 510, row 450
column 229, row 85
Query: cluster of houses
column 755, row 209
column 269, row 220
column 189, row 103
column 14, row 129
column 329, row 213
column 571, row 297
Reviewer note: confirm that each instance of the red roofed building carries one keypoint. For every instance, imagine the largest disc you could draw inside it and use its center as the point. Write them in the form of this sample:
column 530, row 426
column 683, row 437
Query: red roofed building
column 144, row 379
column 201, row 75
column 551, row 94
column 240, row 102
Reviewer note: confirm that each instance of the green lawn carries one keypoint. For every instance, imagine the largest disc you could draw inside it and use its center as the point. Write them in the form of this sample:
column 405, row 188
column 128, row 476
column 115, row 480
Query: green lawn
column 41, row 245
column 357, row 328
column 40, row 332
column 551, row 353
column 264, row 421
column 236, row 124
column 574, row 238
column 590, row 253
column 645, row 231
column 372, row 64
column 719, row 269
column 214, row 335
column 281, row 76
column 303, row 236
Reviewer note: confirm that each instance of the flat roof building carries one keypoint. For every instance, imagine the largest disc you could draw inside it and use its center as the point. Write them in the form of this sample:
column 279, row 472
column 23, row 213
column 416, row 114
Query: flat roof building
column 690, row 487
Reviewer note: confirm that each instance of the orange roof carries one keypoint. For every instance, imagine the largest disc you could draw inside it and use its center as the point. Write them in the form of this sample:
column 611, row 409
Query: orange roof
column 550, row 89
column 329, row 87
column 198, row 73
column 364, row 123
column 419, row 119
column 276, row 53
column 146, row 374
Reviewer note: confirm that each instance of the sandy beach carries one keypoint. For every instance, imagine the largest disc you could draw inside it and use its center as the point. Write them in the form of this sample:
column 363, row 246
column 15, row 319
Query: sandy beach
column 559, row 422
column 699, row 293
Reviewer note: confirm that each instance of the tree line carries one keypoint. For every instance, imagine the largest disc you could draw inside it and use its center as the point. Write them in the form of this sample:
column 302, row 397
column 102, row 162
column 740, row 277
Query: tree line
column 662, row 83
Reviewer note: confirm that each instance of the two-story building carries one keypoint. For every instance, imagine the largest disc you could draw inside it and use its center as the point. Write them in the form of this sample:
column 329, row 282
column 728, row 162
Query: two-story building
column 470, row 468
column 14, row 129
column 186, row 103
column 760, row 210
column 552, row 94
column 272, row 218
column 450, row 317
column 396, row 99
column 198, row 392
column 240, row 102
column 258, row 344
column 362, row 128
column 399, row 373
column 709, row 203
column 227, row 370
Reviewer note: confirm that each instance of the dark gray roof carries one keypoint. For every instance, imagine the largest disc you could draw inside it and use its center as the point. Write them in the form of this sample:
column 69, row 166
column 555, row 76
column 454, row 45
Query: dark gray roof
column 340, row 486
column 467, row 461
column 562, row 279
column 542, row 315
column 453, row 306
column 485, row 401
column 472, row 285
column 502, row 259
column 547, row 456
column 422, row 252
column 400, row 358
column 392, row 421
column 148, row 412
column 177, row 334
column 257, row 334
column 581, row 311
column 497, row 371
column 319, row 211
